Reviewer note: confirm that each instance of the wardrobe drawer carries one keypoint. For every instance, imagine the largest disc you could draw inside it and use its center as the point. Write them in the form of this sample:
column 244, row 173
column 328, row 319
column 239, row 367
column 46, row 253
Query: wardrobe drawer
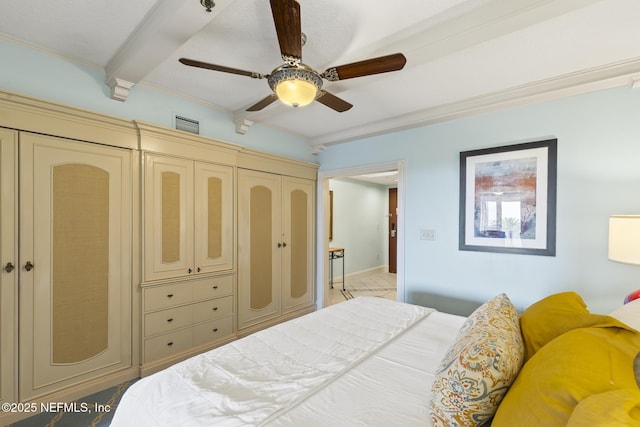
column 213, row 309
column 212, row 287
column 212, row 331
column 167, row 320
column 167, row 296
column 167, row 344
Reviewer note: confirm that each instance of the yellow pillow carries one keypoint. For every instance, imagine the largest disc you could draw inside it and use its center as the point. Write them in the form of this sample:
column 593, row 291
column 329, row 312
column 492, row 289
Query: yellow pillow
column 613, row 408
column 552, row 316
column 569, row 369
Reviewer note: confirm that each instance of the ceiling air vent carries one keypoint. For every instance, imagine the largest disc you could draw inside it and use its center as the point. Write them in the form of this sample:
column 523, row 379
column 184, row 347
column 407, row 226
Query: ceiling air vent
column 188, row 125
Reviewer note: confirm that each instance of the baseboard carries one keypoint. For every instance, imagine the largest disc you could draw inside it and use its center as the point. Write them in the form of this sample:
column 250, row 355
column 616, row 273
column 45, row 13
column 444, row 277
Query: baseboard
column 362, row 274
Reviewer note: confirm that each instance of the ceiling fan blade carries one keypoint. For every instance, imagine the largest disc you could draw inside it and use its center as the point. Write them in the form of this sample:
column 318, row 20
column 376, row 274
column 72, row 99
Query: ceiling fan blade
column 286, row 17
column 263, row 103
column 214, row 67
column 382, row 64
column 333, row 102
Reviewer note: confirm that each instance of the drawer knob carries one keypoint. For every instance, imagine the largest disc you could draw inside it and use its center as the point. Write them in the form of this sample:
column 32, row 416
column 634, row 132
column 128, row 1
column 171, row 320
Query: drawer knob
column 215, row 330
column 215, row 308
column 169, row 295
column 170, row 320
column 215, row 286
column 170, row 343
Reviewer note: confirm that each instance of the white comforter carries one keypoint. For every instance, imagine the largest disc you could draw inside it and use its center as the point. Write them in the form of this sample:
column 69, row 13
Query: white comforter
column 273, row 376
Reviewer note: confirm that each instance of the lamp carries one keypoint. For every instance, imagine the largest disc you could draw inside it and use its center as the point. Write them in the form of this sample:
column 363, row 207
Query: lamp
column 624, row 243
column 296, row 85
column 624, row 238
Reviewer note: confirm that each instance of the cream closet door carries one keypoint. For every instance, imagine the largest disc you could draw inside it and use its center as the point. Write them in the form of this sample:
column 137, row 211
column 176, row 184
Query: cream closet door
column 8, row 263
column 168, row 217
column 259, row 247
column 213, row 217
column 75, row 262
column 298, row 219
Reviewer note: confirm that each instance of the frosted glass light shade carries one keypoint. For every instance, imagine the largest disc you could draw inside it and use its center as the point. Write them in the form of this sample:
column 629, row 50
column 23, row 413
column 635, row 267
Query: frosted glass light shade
column 624, row 238
column 296, row 93
column 295, row 85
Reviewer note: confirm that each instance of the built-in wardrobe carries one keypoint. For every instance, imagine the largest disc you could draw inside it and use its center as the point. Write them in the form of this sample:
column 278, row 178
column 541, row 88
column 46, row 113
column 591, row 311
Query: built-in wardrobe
column 127, row 247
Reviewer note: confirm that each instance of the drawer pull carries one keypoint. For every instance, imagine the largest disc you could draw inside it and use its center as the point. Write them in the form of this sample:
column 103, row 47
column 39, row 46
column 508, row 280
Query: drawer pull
column 215, row 330
column 215, row 286
column 169, row 295
column 169, row 344
column 215, row 308
column 170, row 320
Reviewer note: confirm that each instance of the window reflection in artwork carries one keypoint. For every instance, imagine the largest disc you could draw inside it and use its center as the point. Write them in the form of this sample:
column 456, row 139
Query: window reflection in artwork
column 505, row 202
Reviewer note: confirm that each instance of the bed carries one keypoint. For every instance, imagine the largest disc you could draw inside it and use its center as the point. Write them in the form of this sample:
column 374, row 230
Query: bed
column 311, row 368
column 364, row 362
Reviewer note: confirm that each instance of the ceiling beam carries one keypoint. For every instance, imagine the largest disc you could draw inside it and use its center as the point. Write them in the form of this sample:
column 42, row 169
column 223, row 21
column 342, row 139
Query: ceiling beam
column 168, row 25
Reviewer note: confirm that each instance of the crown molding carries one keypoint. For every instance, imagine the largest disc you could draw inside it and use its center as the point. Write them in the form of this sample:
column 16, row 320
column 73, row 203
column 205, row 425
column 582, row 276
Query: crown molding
column 625, row 73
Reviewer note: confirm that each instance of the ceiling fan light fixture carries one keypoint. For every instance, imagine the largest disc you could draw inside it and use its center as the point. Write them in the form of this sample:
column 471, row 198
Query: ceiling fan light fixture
column 296, row 85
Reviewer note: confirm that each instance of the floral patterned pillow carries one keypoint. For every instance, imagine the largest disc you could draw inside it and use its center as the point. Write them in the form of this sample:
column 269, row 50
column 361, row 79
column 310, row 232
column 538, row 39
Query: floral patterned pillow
column 478, row 369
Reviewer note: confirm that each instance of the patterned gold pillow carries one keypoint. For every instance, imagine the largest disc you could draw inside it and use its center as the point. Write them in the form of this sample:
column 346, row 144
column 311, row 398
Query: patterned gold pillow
column 478, row 369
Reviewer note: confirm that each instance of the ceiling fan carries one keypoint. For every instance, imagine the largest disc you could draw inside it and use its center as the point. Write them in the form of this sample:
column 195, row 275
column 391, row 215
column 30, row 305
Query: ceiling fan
column 295, row 83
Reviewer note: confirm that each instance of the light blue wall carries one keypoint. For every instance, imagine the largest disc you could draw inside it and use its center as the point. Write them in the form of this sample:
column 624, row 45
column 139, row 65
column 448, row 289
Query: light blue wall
column 45, row 76
column 359, row 224
column 598, row 175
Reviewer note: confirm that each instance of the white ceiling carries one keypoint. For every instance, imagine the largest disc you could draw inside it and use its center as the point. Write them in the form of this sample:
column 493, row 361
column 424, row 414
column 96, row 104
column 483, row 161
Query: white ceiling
column 463, row 56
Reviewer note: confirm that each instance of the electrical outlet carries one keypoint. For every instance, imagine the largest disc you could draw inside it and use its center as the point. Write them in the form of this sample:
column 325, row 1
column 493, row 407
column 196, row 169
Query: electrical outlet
column 426, row 234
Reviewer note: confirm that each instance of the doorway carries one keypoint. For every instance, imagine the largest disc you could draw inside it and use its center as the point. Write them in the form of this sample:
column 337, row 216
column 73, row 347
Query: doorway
column 393, row 230
column 324, row 178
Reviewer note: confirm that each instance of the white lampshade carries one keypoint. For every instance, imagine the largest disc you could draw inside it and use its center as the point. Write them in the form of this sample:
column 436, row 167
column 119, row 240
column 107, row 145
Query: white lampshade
column 624, row 238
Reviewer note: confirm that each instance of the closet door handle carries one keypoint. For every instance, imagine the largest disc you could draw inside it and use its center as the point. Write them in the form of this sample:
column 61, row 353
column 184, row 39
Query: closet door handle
column 9, row 267
column 279, row 244
column 284, row 244
column 28, row 266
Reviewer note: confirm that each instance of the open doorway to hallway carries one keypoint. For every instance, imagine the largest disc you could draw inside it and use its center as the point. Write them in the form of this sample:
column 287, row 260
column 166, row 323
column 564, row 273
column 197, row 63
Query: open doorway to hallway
column 365, row 227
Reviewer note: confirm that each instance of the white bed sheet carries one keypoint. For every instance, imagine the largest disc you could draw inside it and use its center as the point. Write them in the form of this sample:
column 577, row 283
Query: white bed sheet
column 368, row 362
column 390, row 388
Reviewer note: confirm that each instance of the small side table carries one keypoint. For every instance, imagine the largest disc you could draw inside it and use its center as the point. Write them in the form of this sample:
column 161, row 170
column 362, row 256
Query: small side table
column 335, row 253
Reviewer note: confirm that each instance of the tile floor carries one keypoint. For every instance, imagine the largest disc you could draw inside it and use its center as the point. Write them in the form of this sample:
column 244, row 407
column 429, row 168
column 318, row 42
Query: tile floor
column 378, row 284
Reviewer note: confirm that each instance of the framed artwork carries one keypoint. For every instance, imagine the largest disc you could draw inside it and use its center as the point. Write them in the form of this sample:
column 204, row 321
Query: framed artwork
column 508, row 199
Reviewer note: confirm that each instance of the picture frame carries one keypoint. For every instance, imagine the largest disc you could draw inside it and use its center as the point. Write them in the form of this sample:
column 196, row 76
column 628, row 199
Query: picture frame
column 508, row 199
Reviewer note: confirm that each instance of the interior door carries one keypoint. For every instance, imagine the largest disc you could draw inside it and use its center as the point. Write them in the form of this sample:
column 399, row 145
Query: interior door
column 75, row 262
column 393, row 229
